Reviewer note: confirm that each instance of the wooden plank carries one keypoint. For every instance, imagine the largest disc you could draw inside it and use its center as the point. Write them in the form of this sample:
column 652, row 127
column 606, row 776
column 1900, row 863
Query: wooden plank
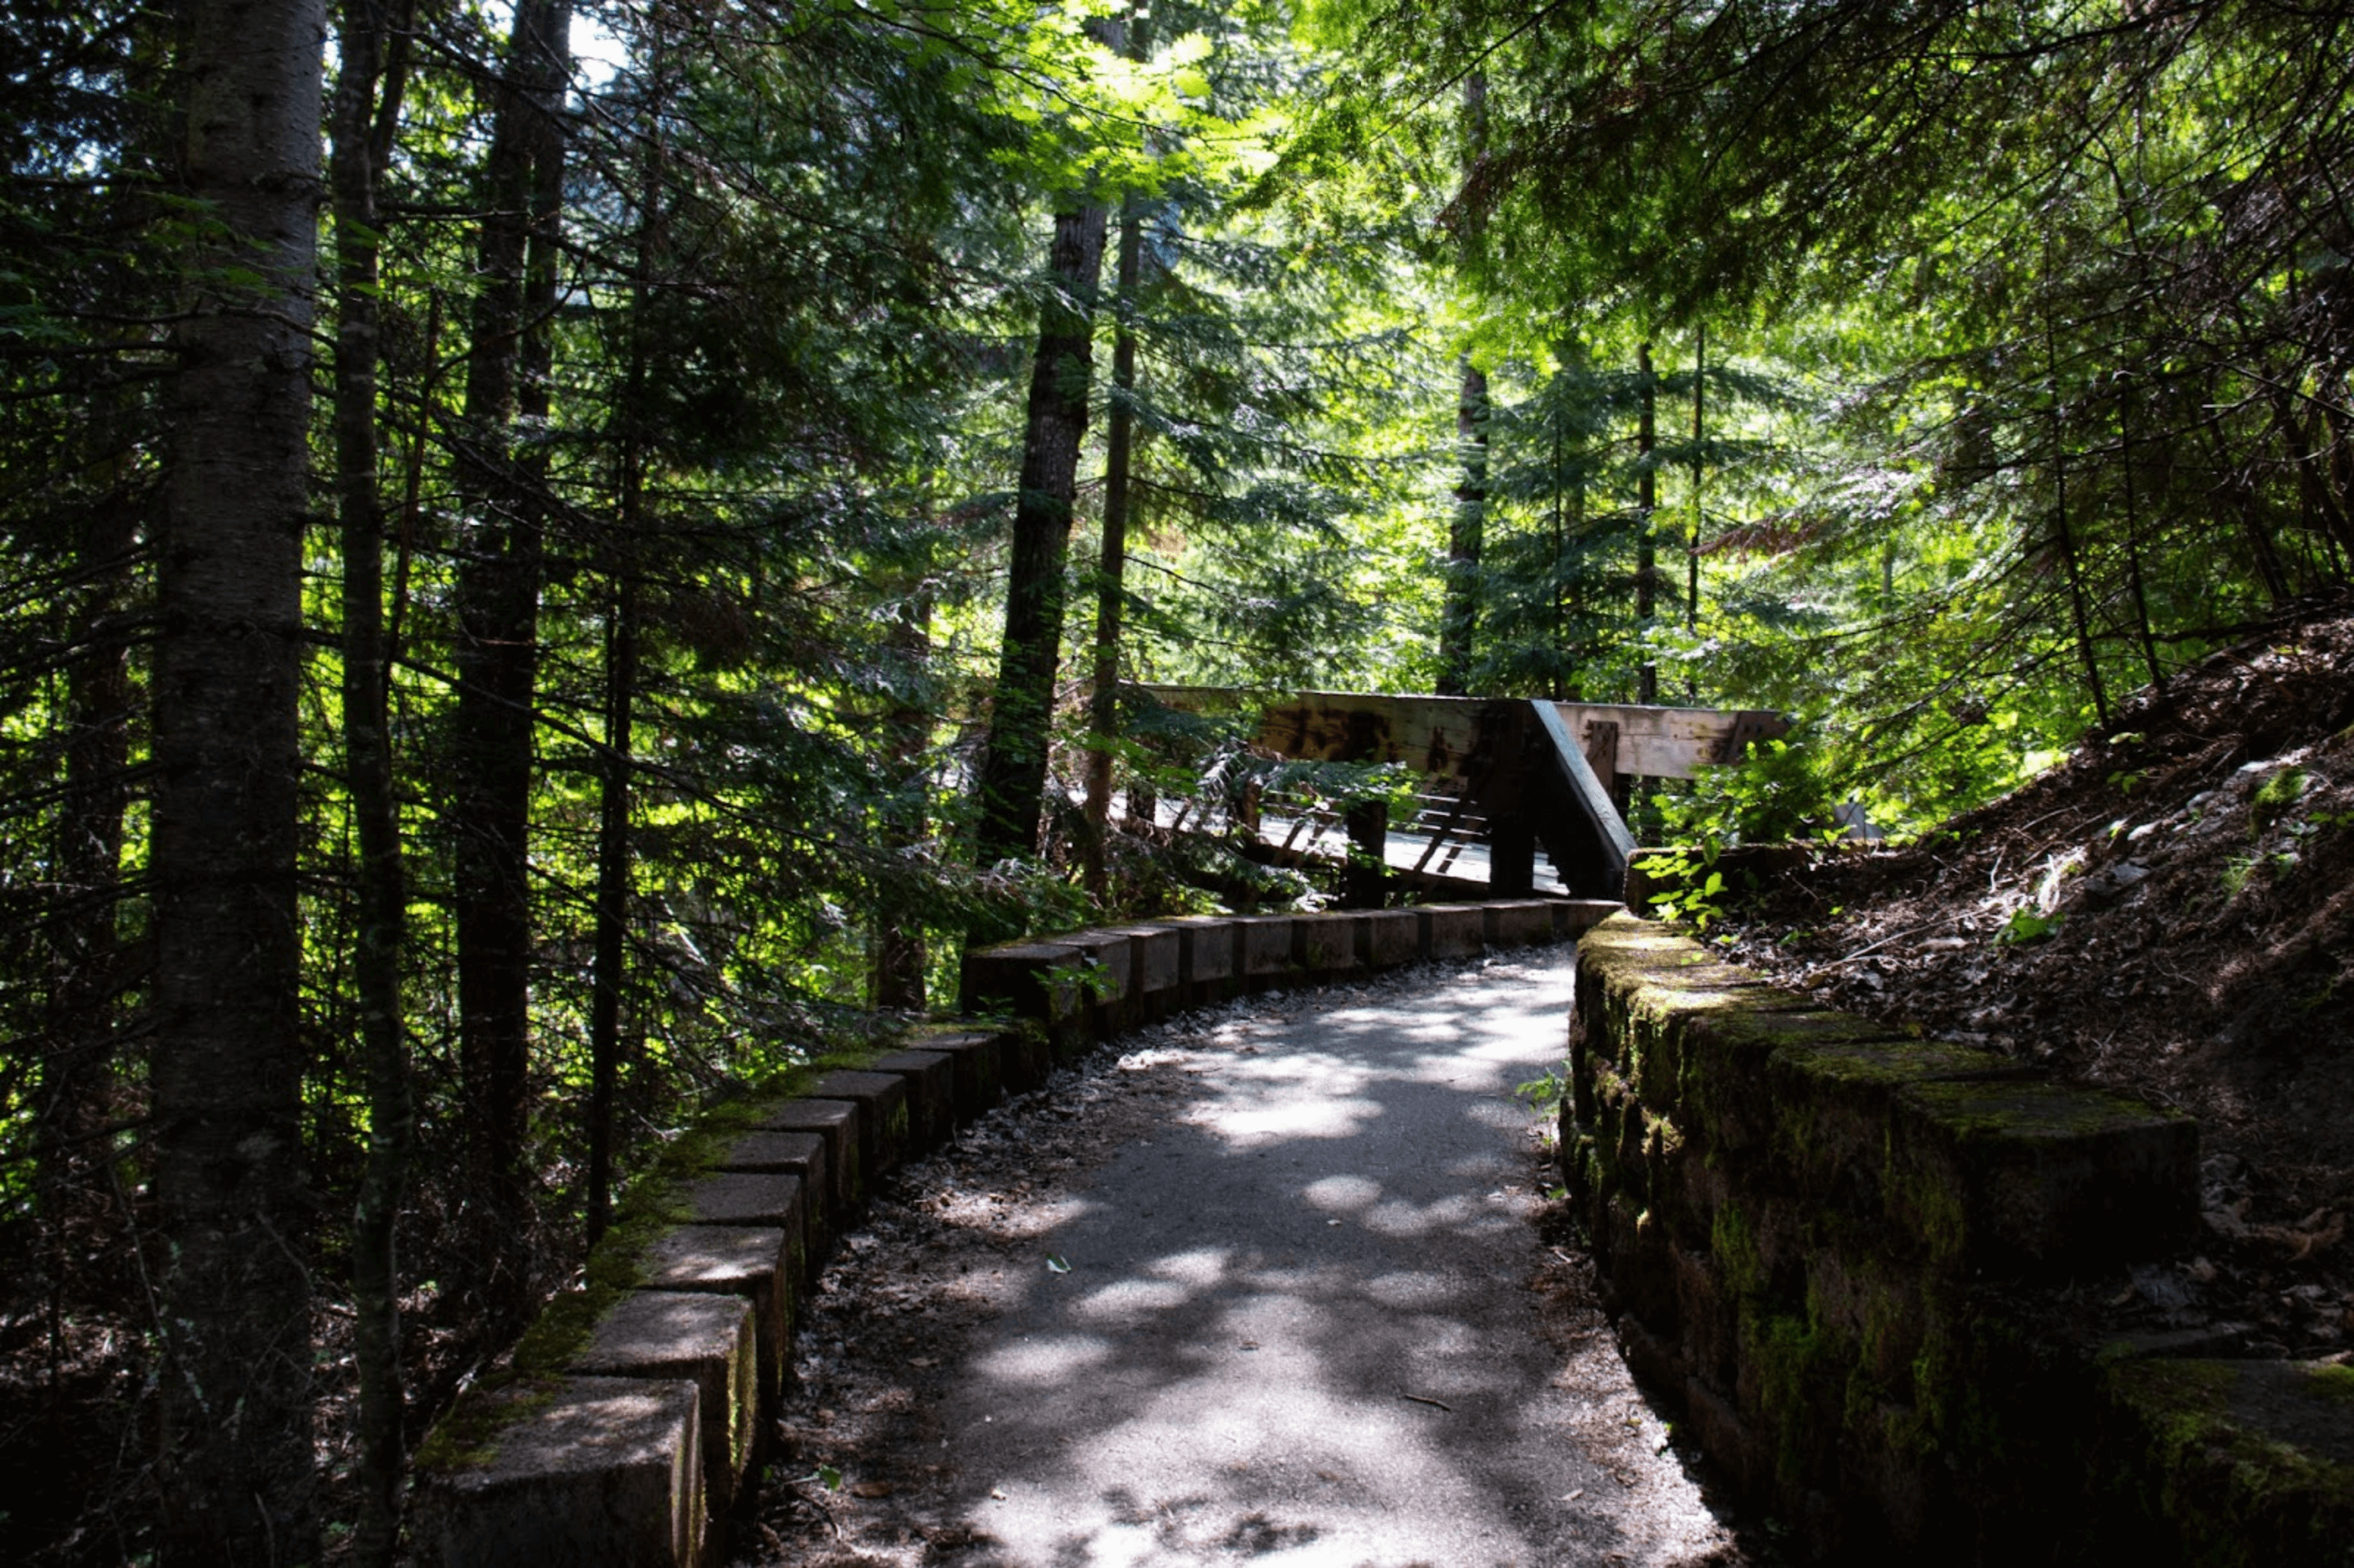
column 1587, row 791
column 1672, row 743
column 1435, row 736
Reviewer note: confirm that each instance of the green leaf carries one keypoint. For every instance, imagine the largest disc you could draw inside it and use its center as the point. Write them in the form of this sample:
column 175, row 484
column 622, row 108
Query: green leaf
column 2029, row 925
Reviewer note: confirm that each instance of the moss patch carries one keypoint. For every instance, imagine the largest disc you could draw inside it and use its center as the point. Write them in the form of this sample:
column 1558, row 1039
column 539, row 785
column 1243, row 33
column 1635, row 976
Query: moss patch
column 467, row 1437
column 651, row 1205
column 2332, row 1382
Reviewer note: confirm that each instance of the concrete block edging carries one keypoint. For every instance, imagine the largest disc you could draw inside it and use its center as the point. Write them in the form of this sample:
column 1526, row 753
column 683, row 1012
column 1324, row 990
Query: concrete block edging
column 612, row 1440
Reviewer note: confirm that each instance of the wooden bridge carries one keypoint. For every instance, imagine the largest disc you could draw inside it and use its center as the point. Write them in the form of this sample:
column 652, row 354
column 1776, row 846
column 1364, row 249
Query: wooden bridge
column 1502, row 783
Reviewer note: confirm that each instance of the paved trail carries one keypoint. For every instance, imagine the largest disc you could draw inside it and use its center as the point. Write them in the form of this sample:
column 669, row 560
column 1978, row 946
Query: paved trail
column 1297, row 1325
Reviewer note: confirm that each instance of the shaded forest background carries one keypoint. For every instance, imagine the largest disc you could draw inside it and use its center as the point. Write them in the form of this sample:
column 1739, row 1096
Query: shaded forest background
column 579, row 574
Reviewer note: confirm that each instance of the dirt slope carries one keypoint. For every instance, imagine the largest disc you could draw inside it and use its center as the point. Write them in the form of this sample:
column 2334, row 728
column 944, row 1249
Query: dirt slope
column 2170, row 914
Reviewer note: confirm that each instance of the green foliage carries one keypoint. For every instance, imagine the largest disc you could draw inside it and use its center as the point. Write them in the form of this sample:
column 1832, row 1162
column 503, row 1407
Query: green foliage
column 1781, row 791
column 2275, row 797
column 2029, row 925
column 1694, row 884
column 1545, row 1094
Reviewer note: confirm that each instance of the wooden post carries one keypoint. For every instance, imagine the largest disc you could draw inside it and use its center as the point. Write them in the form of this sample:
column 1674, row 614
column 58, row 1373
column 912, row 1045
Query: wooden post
column 1601, row 749
column 1362, row 883
column 1511, row 857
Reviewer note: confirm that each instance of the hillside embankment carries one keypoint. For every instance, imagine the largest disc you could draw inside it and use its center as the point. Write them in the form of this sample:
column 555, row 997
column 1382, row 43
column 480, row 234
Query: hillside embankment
column 2170, row 914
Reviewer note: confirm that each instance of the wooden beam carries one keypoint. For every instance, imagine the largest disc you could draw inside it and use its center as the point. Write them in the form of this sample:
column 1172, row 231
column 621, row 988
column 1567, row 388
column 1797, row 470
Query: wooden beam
column 1674, row 743
column 1435, row 736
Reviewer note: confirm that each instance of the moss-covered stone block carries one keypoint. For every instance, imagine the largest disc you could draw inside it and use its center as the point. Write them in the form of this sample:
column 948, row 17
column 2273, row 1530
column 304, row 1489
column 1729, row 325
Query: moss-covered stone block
column 1833, row 1104
column 1708, row 1314
column 759, row 1264
column 1105, row 980
column 800, row 1155
column 1881, row 1308
column 600, row 1472
column 1653, row 1014
column 836, row 1121
column 1325, row 946
column 2242, row 1463
column 2041, row 1177
column 1642, row 1266
column 930, row 1077
column 1209, row 968
column 709, row 1340
column 1791, row 1382
column 1039, row 981
column 1154, row 969
column 977, row 1059
column 1452, row 931
column 1392, row 938
column 1723, row 1053
column 1617, row 1137
column 882, row 1118
column 1263, row 949
column 1516, row 923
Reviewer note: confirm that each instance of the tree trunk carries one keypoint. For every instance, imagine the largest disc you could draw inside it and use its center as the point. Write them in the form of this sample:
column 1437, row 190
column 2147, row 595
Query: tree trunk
column 84, row 978
column 612, row 887
column 104, row 606
column 1700, row 435
column 1458, row 631
column 233, row 1270
column 2142, row 633
column 900, row 949
column 363, row 133
column 1111, row 567
column 1647, row 504
column 1013, row 769
column 497, row 648
column 1558, row 630
column 2065, row 538
column 615, row 773
column 1458, row 616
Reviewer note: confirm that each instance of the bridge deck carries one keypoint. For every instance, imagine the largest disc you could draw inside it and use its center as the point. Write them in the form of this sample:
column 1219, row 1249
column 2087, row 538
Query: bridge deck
column 1460, row 865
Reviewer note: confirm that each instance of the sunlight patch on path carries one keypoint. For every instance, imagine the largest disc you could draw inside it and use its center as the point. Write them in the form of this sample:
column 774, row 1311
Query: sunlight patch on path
column 1295, row 1328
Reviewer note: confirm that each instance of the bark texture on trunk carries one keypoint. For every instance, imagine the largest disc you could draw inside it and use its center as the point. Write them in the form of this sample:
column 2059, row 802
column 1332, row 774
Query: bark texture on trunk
column 499, row 579
column 900, row 952
column 84, row 951
column 1647, row 505
column 617, row 771
column 1458, row 616
column 1014, row 771
column 233, row 1273
column 1111, row 567
column 366, row 110
column 1460, row 626
column 613, row 888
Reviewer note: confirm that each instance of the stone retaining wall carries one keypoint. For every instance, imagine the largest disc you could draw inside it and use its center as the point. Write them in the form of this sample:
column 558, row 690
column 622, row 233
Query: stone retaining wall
column 633, row 1418
column 1827, row 1242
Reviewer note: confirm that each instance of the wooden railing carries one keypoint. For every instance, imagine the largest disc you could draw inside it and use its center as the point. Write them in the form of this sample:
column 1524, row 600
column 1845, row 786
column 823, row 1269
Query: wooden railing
column 1500, row 779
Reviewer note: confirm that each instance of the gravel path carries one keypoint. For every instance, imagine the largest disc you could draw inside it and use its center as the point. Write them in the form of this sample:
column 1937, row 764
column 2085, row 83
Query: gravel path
column 1271, row 1285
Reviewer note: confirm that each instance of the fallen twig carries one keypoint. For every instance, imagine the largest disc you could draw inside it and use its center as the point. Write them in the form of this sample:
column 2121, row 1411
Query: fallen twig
column 1419, row 1399
column 1875, row 946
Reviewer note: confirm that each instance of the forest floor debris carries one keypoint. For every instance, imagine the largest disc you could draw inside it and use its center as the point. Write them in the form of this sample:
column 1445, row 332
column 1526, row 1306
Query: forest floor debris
column 2170, row 915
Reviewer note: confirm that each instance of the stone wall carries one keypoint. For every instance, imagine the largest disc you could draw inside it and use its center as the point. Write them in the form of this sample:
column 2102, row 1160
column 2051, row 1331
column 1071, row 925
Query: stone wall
column 631, row 1422
column 1834, row 1246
